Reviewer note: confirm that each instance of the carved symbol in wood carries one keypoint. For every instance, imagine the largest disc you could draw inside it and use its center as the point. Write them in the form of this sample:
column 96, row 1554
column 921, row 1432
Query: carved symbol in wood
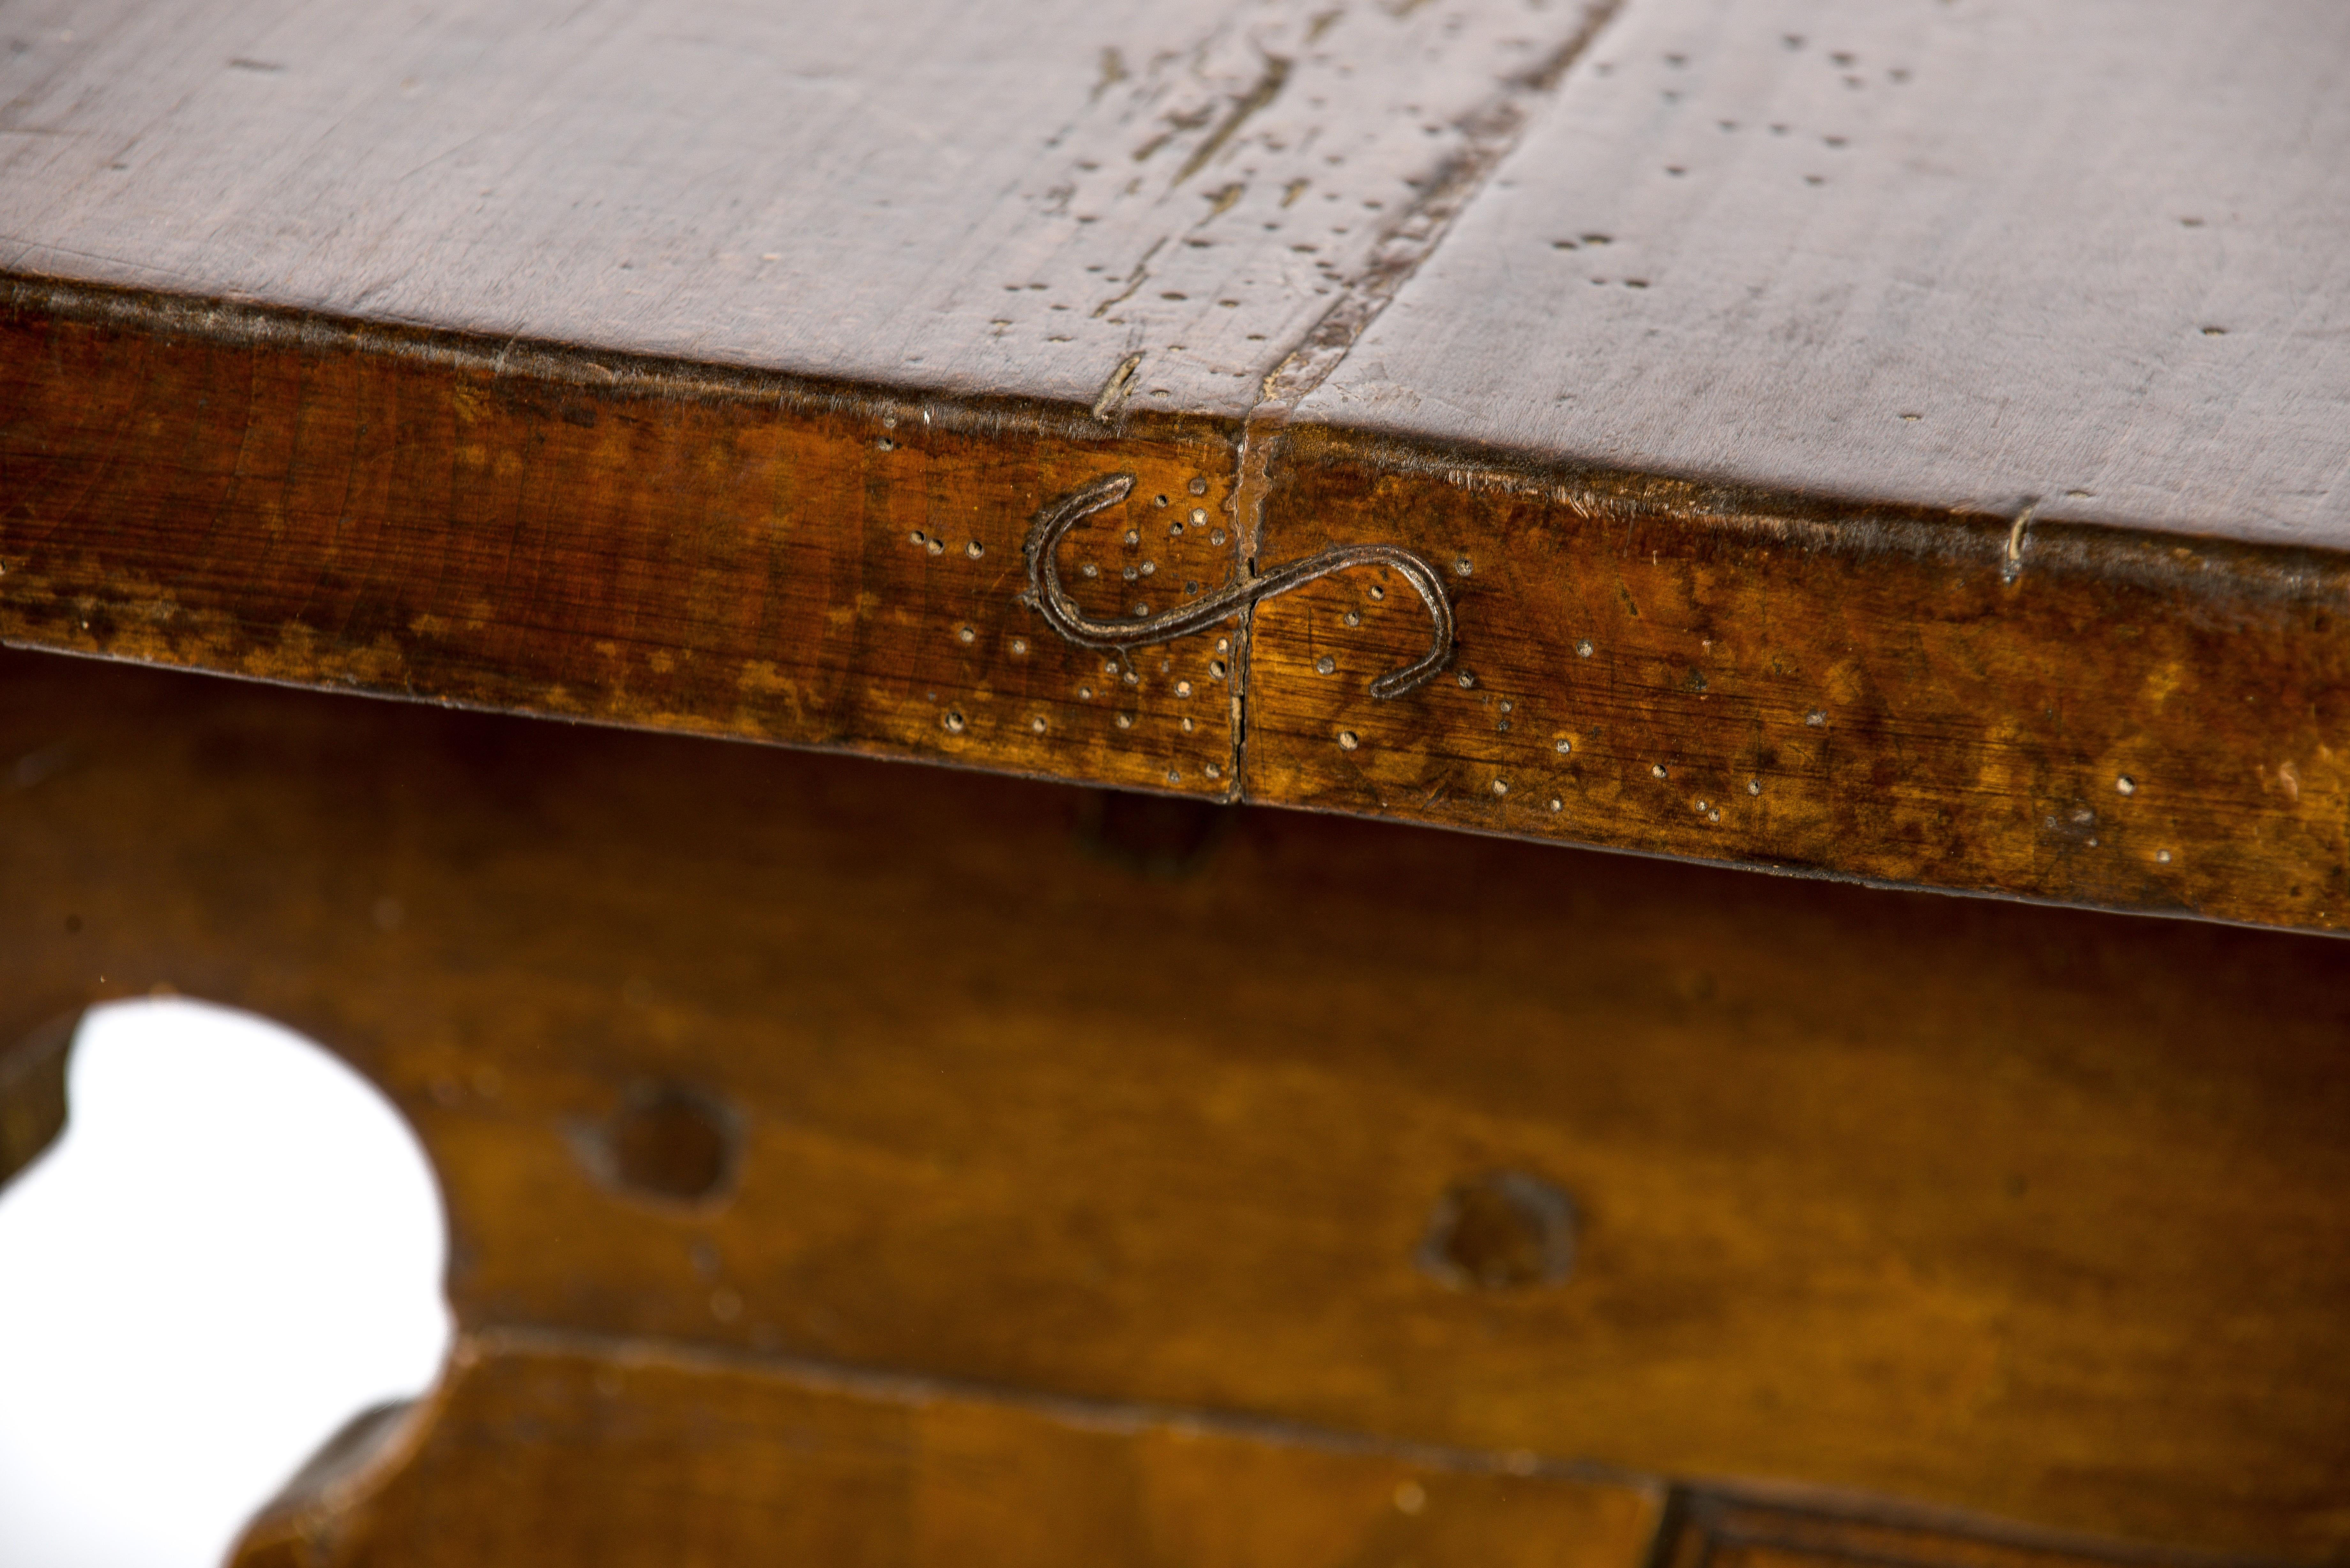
column 1062, row 613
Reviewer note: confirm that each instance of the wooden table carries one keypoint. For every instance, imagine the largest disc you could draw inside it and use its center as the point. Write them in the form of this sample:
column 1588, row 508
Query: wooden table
column 1905, row 446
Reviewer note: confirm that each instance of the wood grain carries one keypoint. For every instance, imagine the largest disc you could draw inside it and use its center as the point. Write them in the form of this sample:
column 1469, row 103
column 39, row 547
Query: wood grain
column 470, row 388
column 2033, row 1212
column 972, row 201
column 2070, row 712
column 2090, row 258
column 425, row 515
column 578, row 1451
column 2065, row 712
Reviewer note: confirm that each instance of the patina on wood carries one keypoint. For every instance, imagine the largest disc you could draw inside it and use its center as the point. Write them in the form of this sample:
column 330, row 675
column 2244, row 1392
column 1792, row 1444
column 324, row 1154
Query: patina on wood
column 417, row 514
column 1925, row 698
column 624, row 1453
column 1945, row 496
column 1428, row 1138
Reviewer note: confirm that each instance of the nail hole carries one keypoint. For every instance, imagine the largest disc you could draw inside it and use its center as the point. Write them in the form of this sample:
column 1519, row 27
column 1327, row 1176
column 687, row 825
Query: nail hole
column 670, row 1143
column 1506, row 1230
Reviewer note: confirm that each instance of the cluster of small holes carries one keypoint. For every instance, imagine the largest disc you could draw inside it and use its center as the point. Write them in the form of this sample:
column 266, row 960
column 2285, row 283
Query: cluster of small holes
column 954, row 722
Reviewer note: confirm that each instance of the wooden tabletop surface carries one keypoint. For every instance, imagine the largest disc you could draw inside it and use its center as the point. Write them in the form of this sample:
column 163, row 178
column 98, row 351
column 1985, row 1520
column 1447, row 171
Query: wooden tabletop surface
column 1904, row 442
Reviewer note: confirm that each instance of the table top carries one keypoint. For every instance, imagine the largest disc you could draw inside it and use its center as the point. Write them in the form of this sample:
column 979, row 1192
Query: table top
column 1905, row 442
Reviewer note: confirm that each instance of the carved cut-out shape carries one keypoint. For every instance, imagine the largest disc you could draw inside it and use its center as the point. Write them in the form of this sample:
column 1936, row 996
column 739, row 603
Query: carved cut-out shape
column 236, row 1242
column 1063, row 614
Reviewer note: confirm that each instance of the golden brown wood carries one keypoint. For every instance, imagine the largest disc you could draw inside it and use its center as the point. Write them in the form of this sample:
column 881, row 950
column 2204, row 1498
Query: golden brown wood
column 546, row 1449
column 2123, row 722
column 2033, row 1212
column 417, row 514
column 711, row 376
column 2126, row 722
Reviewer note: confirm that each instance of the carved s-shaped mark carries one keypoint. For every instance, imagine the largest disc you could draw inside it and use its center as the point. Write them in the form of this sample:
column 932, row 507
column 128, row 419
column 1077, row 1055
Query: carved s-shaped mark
column 1062, row 614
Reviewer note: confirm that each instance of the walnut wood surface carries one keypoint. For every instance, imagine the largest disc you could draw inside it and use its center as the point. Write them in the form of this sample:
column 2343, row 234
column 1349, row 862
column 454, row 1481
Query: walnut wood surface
column 404, row 514
column 622, row 1454
column 1704, row 672
column 973, row 199
column 784, row 1058
column 466, row 376
column 2090, row 257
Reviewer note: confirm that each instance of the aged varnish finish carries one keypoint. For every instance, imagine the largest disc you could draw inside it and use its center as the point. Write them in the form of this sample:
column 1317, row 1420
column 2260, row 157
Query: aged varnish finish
column 1903, row 444
column 1955, row 555
column 767, row 1067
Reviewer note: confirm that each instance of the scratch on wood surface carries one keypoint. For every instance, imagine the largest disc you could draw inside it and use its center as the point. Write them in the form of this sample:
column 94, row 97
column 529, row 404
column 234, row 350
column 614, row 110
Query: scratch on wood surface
column 1113, row 71
column 1488, row 134
column 1113, row 392
column 1134, row 280
column 2015, row 565
column 1268, row 88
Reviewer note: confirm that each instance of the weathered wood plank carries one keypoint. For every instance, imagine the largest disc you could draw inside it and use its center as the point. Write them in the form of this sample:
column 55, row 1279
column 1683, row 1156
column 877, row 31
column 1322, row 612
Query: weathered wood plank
column 1429, row 1137
column 431, row 516
column 2116, row 719
column 2102, row 717
column 969, row 200
column 2091, row 259
column 2070, row 634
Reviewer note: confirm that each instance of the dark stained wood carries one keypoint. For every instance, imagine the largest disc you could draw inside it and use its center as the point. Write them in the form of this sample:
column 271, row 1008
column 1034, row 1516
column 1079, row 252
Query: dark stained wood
column 479, row 385
column 33, row 1093
column 543, row 1449
column 1428, row 1138
column 1793, row 1530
